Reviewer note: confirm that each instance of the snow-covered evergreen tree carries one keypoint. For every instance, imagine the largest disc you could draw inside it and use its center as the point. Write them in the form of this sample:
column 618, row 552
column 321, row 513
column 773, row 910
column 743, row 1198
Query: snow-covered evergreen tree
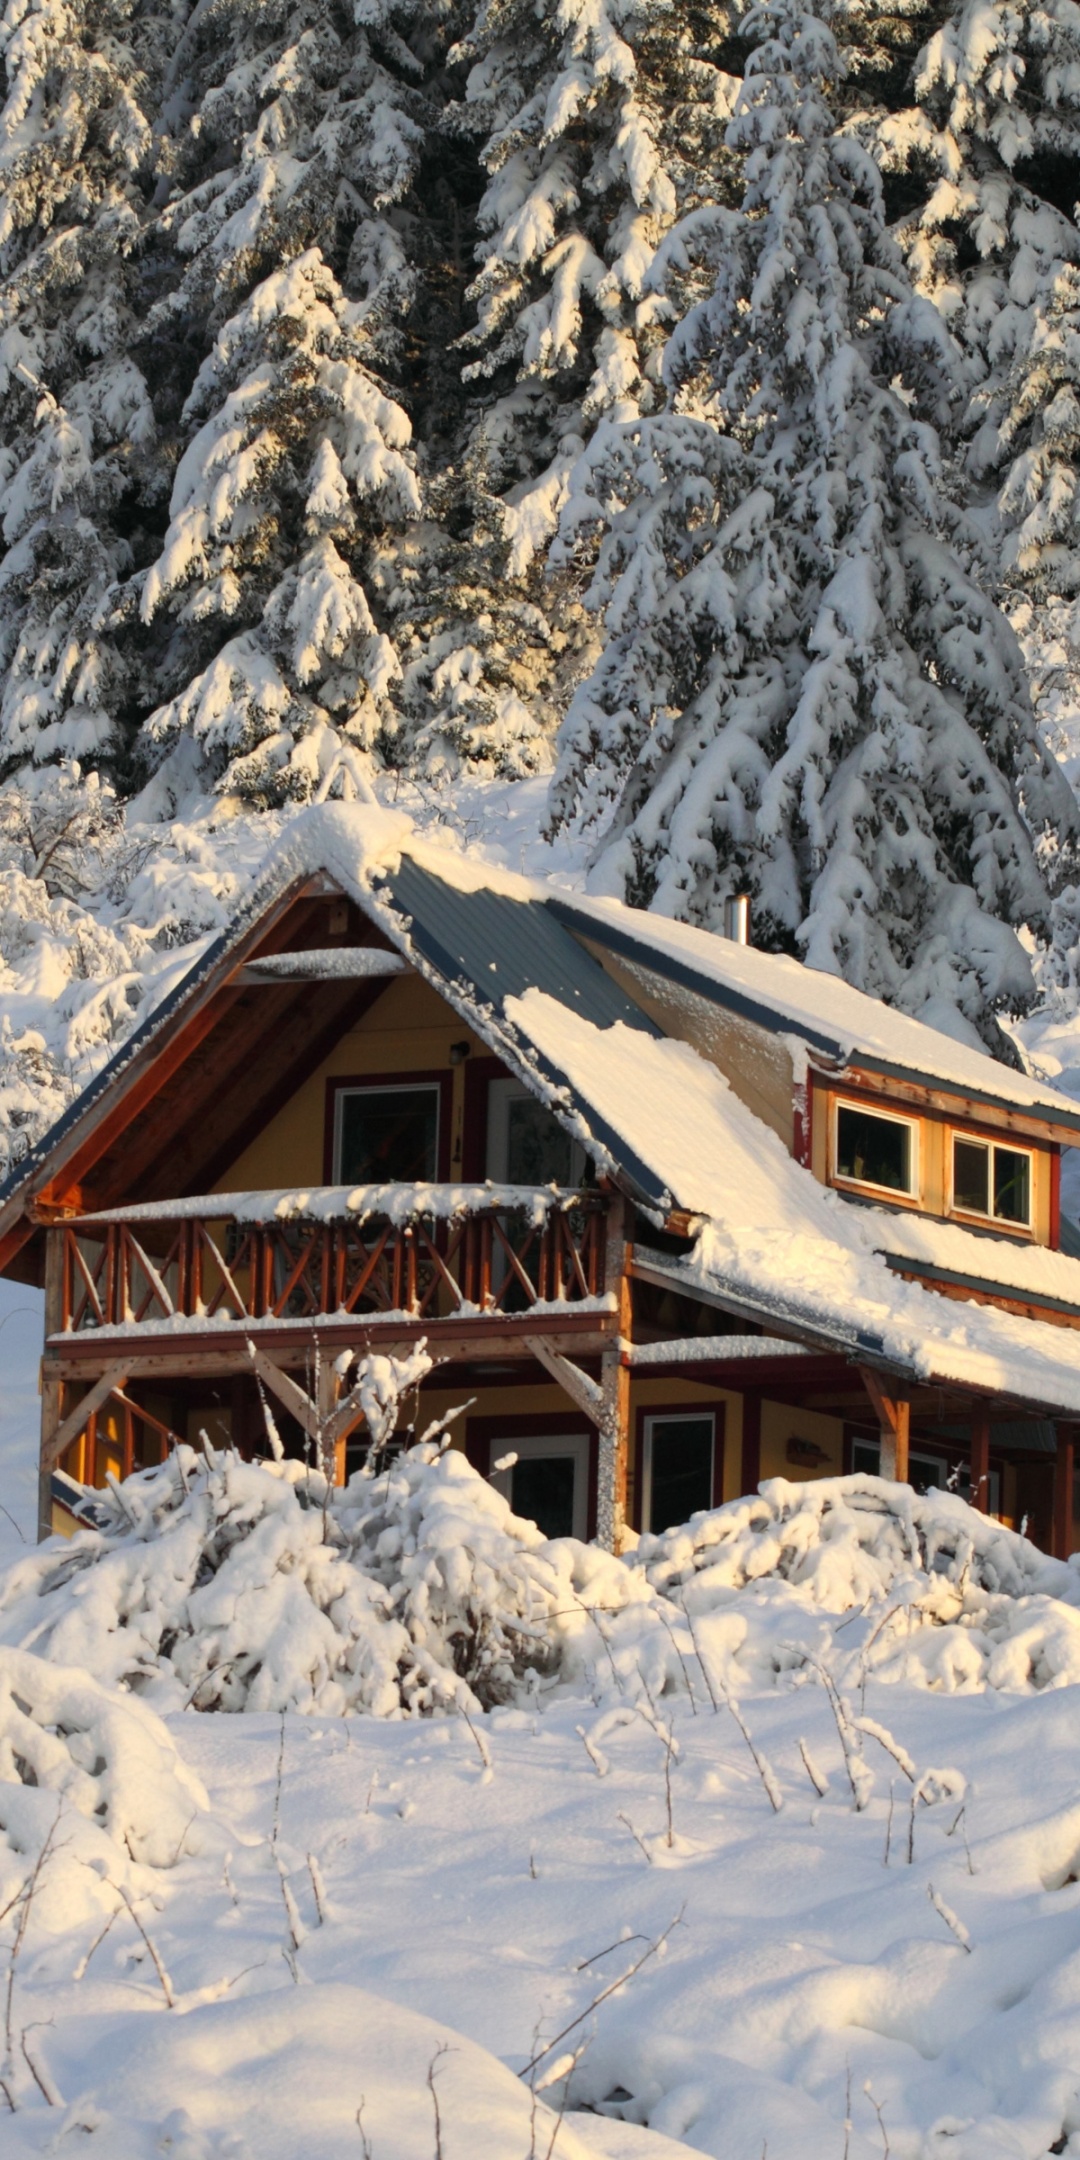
column 803, row 693
column 78, row 83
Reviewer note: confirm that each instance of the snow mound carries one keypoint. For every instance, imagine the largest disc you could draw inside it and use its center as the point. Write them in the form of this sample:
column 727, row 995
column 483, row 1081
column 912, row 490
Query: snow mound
column 289, row 2071
column 219, row 1584
column 935, row 1593
column 255, row 1587
column 847, row 1540
column 66, row 1740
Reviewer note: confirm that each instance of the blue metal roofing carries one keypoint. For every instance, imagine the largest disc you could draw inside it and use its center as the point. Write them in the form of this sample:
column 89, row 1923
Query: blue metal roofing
column 493, row 947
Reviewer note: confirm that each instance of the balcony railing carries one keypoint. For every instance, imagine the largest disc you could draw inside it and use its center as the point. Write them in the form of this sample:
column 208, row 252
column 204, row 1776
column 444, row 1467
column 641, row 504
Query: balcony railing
column 424, row 1251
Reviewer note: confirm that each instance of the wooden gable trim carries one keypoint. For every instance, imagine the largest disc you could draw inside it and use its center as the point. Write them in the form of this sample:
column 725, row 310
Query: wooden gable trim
column 164, row 1052
column 950, row 1105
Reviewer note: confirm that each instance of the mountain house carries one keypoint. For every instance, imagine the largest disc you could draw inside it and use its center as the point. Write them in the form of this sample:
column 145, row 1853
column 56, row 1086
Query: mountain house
column 671, row 1214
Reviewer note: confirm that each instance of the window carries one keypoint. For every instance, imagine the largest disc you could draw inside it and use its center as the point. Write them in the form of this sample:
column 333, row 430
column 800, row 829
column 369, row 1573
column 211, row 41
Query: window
column 875, row 1150
column 991, row 1180
column 549, row 1483
column 386, row 1135
column 927, row 1473
column 677, row 1472
column 526, row 1145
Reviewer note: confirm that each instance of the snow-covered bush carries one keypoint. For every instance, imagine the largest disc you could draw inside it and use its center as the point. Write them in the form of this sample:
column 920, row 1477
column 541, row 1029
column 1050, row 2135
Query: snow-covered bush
column 255, row 1587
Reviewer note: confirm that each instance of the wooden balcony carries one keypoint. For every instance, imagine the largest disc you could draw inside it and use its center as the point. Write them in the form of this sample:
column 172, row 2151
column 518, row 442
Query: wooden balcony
column 421, row 1254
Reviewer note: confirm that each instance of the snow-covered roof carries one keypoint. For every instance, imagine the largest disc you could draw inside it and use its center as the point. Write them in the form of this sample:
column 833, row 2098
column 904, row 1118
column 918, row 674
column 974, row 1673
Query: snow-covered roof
column 774, row 1242
column 841, row 1025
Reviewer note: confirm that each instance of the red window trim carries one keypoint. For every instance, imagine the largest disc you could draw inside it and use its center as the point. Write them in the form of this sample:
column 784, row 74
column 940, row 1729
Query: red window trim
column 482, row 1434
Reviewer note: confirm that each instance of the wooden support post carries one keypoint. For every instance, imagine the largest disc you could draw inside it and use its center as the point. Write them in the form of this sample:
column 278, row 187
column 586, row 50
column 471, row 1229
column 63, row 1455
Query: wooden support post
column 750, row 1470
column 894, row 1423
column 614, row 1422
column 52, row 1391
column 1064, row 1468
column 331, row 1446
column 980, row 1457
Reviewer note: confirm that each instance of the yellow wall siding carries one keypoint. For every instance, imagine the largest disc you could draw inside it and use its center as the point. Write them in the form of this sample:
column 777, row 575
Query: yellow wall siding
column 933, row 1194
column 408, row 1029
column 781, row 1423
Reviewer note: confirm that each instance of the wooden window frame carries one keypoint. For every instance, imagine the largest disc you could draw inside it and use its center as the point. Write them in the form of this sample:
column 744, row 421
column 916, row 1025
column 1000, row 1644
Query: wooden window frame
column 912, row 1198
column 646, row 1412
column 484, row 1433
column 342, row 1084
column 1005, row 1224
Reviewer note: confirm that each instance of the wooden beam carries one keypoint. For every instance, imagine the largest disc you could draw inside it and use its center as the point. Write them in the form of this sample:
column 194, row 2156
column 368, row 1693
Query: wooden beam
column 224, row 1350
column 1064, row 1469
column 980, row 1457
column 584, row 1393
column 336, row 964
column 613, row 1470
column 894, row 1423
column 69, row 1430
column 293, row 1398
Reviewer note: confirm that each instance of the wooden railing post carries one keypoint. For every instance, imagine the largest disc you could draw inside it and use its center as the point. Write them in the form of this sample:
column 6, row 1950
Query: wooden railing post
column 52, row 1390
column 614, row 1452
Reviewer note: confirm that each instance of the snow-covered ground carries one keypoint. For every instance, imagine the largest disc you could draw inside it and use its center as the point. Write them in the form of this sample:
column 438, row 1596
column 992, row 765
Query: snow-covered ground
column 782, row 1883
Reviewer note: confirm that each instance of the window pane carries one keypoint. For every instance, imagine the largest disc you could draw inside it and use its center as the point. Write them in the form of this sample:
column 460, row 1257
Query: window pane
column 389, row 1136
column 542, row 1489
column 873, row 1150
column 537, row 1148
column 971, row 1176
column 682, row 1450
column 1012, row 1185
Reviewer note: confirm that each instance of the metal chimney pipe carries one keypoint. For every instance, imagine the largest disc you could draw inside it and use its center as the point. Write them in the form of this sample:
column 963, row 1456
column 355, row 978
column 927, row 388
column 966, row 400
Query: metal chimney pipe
column 737, row 918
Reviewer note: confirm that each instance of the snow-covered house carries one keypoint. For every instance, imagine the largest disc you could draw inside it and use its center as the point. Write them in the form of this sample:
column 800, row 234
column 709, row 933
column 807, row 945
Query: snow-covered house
column 671, row 1214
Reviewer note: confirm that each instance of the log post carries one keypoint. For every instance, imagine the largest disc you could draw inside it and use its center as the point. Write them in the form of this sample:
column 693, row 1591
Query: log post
column 1064, row 1467
column 980, row 1458
column 894, row 1424
column 52, row 1391
column 614, row 1452
column 751, row 1441
column 328, row 1392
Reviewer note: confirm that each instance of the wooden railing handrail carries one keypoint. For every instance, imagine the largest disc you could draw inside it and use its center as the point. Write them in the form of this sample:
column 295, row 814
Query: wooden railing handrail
column 348, row 1203
column 428, row 1251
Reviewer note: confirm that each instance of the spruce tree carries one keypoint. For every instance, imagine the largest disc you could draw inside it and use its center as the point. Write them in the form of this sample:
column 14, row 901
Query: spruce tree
column 803, row 693
column 78, row 439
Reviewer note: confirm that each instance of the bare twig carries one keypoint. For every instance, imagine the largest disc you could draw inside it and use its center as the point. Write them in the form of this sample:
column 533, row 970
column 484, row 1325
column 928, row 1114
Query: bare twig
column 665, row 1622
column 482, row 1747
column 49, row 2092
column 99, row 1938
column 698, row 1653
column 652, row 1950
column 166, row 1983
column 764, row 1768
column 365, row 2141
column 275, row 1830
column 619, row 1944
column 876, row 2105
column 817, row 1777
column 430, row 2081
column 20, row 1932
column 598, row 1760
column 638, row 1839
column 952, row 1921
column 318, row 1888
column 888, row 1825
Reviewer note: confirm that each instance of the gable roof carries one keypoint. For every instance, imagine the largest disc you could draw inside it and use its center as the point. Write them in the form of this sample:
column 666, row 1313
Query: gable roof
column 508, row 956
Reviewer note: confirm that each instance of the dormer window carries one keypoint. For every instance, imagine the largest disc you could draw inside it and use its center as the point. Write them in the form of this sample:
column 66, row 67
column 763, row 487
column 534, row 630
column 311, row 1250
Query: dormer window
column 875, row 1149
column 991, row 1181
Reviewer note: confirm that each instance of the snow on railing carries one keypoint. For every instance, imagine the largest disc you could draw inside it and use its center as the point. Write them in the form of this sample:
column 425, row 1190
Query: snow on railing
column 431, row 1251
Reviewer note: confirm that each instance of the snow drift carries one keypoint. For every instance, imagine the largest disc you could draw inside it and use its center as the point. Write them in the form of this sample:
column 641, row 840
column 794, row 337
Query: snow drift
column 220, row 1584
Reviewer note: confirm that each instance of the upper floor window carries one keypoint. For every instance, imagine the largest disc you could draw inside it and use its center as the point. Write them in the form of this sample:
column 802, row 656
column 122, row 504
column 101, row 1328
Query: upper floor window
column 874, row 1149
column 526, row 1145
column 991, row 1180
column 386, row 1135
